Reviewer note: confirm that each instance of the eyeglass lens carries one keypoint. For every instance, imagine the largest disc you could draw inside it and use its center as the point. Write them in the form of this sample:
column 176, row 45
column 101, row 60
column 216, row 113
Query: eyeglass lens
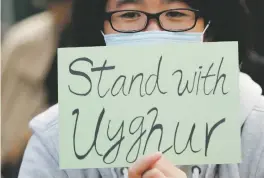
column 172, row 20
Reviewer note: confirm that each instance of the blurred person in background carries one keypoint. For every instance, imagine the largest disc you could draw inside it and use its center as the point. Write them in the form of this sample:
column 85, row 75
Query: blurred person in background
column 29, row 76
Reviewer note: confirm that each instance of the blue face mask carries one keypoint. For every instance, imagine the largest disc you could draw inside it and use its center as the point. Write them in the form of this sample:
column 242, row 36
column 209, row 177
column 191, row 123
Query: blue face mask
column 153, row 37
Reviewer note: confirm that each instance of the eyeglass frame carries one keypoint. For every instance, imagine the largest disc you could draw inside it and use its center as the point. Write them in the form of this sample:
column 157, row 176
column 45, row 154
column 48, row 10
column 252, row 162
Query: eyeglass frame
column 156, row 16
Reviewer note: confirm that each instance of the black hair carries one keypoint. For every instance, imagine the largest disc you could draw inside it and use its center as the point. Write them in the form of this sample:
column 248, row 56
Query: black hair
column 256, row 8
column 87, row 21
column 229, row 22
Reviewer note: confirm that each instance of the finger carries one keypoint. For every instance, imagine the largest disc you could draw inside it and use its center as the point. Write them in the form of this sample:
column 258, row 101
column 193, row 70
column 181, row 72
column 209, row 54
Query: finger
column 142, row 165
column 168, row 169
column 153, row 173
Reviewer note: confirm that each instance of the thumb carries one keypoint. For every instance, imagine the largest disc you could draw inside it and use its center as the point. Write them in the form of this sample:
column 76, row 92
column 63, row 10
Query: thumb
column 142, row 165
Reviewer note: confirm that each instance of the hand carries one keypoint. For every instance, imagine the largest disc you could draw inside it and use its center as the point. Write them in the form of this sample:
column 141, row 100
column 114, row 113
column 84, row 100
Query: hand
column 154, row 166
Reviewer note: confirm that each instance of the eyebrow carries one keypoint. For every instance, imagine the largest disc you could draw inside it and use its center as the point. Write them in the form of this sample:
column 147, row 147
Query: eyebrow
column 122, row 2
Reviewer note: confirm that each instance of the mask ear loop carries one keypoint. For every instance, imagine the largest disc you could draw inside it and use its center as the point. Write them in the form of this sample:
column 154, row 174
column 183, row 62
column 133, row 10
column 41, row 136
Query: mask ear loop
column 240, row 65
column 205, row 29
column 102, row 32
column 207, row 26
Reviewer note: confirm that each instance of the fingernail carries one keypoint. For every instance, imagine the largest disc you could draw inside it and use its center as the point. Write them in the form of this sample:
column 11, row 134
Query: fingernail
column 159, row 154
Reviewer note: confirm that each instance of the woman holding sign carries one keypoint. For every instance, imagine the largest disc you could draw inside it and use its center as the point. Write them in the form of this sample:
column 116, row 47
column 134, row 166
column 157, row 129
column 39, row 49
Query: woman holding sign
column 125, row 22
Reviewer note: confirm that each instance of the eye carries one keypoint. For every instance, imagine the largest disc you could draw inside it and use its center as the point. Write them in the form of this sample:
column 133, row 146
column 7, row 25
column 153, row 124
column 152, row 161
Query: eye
column 130, row 15
column 174, row 14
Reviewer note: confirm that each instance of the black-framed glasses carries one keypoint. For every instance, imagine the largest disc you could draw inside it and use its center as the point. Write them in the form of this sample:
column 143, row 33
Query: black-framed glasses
column 173, row 20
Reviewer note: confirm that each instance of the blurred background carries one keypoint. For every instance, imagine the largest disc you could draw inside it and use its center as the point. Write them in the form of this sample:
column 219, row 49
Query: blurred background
column 14, row 11
column 31, row 31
